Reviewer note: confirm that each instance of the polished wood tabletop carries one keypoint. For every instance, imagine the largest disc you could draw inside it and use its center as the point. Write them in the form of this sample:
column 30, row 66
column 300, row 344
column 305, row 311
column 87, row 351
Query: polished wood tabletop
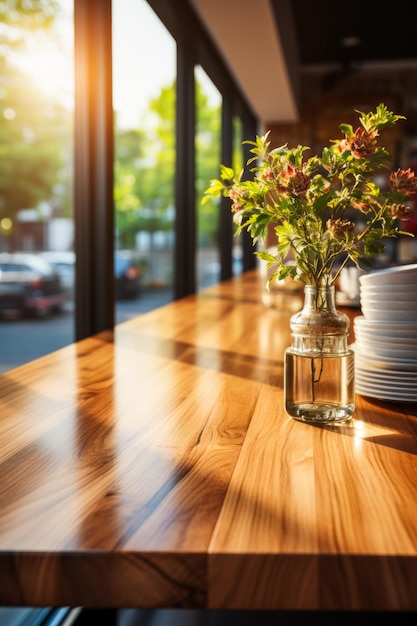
column 156, row 467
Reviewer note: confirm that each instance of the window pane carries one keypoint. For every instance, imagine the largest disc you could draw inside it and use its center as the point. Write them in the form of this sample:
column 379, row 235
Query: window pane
column 36, row 215
column 144, row 66
column 207, row 167
column 237, row 165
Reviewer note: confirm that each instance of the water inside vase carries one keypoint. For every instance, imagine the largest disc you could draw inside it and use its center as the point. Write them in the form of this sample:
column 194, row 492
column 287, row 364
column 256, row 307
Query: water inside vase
column 319, row 388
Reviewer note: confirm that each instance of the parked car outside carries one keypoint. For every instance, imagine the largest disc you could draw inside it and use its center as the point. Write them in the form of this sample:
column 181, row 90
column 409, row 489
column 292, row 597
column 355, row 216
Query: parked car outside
column 29, row 285
column 127, row 274
column 64, row 263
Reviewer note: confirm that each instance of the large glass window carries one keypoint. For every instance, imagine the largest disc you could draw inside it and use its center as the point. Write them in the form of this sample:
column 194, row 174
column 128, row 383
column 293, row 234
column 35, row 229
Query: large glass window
column 144, row 69
column 52, row 204
column 36, row 206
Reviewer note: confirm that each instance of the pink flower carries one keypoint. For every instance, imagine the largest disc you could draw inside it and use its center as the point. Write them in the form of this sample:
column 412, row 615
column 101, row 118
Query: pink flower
column 403, row 180
column 401, row 212
column 363, row 144
column 294, row 181
column 267, row 175
column 236, row 194
column 339, row 227
column 359, row 205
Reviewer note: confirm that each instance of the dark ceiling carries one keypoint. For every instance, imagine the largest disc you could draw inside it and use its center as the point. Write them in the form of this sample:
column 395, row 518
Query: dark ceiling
column 382, row 32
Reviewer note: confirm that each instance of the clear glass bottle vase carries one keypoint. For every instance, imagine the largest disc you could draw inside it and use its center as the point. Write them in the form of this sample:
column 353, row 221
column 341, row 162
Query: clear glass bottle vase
column 319, row 379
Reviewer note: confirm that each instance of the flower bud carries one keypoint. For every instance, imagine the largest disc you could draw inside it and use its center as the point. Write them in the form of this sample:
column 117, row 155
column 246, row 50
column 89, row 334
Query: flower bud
column 236, row 194
column 363, row 144
column 401, row 212
column 296, row 181
column 338, row 228
column 404, row 181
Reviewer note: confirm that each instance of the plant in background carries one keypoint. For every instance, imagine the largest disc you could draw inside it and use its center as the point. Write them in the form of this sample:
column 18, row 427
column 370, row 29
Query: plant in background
column 325, row 209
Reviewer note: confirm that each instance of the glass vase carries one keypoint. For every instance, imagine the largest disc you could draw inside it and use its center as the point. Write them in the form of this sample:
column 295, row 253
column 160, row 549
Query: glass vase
column 319, row 379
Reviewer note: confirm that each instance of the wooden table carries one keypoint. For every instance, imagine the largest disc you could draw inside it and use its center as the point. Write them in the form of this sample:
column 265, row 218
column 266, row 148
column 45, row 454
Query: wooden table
column 156, row 467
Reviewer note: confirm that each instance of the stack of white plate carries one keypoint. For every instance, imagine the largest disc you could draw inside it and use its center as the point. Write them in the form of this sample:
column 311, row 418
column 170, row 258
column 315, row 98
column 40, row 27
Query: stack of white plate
column 386, row 335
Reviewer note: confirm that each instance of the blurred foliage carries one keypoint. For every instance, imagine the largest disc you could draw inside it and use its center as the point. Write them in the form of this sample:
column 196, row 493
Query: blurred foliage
column 35, row 132
column 30, row 153
column 36, row 137
column 21, row 16
column 145, row 169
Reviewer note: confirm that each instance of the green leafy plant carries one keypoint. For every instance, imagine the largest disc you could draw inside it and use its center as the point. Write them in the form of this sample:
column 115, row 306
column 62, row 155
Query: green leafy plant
column 325, row 209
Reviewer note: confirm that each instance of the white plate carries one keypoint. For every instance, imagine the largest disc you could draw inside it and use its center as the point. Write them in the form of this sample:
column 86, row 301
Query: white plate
column 409, row 391
column 388, row 290
column 400, row 350
column 394, row 360
column 384, row 394
column 377, row 332
column 395, row 338
column 371, row 366
column 386, row 363
column 386, row 328
column 383, row 385
column 391, row 276
column 380, row 341
column 402, row 379
column 389, row 294
column 408, row 308
column 384, row 314
column 401, row 301
column 386, row 378
column 376, row 352
column 391, row 386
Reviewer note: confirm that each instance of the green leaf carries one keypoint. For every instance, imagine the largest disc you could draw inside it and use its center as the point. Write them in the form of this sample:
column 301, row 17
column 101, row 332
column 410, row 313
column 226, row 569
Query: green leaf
column 266, row 256
column 226, row 173
column 347, row 129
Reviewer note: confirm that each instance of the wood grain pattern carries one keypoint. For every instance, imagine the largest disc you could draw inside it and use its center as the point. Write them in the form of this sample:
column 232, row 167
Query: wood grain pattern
column 156, row 467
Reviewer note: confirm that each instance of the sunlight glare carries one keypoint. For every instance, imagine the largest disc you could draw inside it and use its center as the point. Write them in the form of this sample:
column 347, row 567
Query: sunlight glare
column 51, row 70
column 47, row 57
